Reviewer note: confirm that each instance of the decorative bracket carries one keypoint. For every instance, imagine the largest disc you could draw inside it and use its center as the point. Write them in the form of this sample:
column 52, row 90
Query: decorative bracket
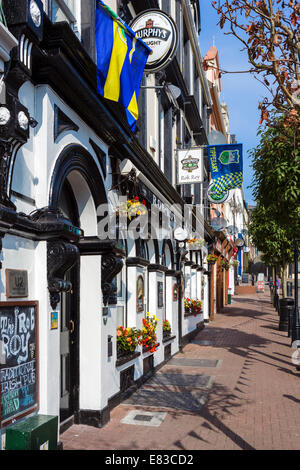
column 61, row 256
column 111, row 265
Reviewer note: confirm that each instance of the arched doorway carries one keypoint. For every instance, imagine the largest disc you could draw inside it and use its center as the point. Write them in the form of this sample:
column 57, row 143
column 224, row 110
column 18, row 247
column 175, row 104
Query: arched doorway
column 69, row 325
column 77, row 190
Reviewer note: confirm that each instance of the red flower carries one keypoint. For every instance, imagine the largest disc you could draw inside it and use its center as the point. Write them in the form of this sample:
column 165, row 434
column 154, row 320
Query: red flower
column 144, row 202
column 136, row 198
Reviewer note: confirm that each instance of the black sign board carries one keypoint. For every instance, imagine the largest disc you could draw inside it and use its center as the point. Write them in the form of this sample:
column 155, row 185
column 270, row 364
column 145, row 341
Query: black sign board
column 160, row 294
column 18, row 360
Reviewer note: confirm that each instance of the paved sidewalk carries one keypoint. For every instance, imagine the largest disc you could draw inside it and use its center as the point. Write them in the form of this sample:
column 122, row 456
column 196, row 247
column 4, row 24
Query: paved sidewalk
column 246, row 396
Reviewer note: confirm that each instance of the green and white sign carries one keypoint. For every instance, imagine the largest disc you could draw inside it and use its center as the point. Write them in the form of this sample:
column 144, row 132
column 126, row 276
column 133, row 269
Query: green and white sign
column 214, row 197
column 190, row 166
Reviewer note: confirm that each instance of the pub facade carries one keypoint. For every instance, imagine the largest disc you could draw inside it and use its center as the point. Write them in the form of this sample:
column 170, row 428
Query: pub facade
column 68, row 158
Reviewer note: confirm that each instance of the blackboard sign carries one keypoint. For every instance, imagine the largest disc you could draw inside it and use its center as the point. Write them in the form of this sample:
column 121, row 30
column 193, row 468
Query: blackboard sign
column 19, row 359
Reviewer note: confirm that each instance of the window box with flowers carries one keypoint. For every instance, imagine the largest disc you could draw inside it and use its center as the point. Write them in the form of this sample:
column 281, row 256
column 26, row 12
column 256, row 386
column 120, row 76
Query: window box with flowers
column 192, row 307
column 187, row 306
column 167, row 332
column 148, row 337
column 127, row 341
column 166, row 329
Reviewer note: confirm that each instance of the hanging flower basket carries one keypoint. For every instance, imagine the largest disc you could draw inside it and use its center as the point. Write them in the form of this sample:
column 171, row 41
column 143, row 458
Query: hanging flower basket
column 235, row 263
column 211, row 259
column 133, row 207
column 195, row 243
column 225, row 264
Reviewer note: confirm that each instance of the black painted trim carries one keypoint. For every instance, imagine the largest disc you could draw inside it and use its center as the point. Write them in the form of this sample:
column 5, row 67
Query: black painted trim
column 136, row 261
column 94, row 418
column 124, row 359
column 62, row 123
column 75, row 157
column 157, row 267
column 23, row 197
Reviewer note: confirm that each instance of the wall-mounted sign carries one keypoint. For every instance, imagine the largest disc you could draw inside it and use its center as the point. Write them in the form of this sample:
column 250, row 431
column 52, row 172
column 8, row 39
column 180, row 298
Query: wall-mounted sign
column 189, row 166
column 16, row 283
column 159, row 32
column 140, row 292
column 105, row 315
column 54, row 321
column 175, row 292
column 19, row 371
column 160, row 294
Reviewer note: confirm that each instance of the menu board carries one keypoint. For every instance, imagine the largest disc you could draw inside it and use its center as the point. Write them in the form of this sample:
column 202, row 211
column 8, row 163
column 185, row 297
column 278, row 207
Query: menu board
column 18, row 359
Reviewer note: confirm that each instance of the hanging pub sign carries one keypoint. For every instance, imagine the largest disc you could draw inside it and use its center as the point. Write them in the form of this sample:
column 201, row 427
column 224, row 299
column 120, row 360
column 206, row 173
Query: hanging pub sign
column 214, row 197
column 19, row 360
column 159, row 32
column 189, row 164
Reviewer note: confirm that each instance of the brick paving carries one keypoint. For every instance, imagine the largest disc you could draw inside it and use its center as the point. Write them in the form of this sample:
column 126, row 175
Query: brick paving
column 253, row 402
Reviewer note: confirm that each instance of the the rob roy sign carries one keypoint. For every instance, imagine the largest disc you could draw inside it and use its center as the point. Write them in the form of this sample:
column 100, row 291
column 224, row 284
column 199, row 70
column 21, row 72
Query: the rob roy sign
column 18, row 366
column 159, row 32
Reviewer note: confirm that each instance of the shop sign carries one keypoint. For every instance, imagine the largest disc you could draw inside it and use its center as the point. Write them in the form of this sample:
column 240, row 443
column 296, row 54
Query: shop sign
column 54, row 321
column 189, row 166
column 175, row 292
column 260, row 287
column 19, row 371
column 16, row 283
column 159, row 32
column 140, row 294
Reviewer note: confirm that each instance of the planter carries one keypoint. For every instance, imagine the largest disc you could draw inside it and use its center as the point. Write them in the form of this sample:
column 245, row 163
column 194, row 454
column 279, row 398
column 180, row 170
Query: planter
column 166, row 334
column 126, row 356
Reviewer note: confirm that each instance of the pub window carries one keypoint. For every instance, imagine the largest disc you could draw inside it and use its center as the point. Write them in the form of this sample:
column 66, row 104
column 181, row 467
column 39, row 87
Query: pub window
column 62, row 10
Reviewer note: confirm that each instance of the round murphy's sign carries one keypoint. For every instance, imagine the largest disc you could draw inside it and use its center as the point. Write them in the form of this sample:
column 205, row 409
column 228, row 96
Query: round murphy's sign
column 159, row 32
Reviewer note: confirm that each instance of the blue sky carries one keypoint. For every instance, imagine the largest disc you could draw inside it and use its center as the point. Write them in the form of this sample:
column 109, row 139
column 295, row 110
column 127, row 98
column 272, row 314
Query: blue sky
column 242, row 92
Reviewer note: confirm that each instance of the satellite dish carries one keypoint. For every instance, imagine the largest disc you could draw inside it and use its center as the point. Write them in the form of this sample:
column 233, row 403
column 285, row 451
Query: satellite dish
column 232, row 229
column 218, row 223
column 239, row 242
column 216, row 138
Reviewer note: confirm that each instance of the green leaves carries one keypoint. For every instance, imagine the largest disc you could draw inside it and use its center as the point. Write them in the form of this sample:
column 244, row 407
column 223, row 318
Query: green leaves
column 276, row 187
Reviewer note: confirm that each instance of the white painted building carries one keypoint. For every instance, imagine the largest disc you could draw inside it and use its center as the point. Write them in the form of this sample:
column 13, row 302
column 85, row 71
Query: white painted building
column 67, row 151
